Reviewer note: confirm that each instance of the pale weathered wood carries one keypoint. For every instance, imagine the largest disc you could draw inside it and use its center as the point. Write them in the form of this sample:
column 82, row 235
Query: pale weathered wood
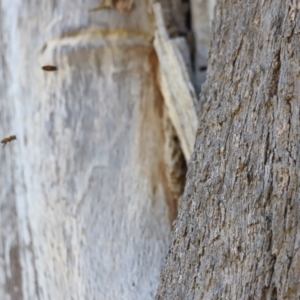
column 10, row 268
column 237, row 235
column 87, row 201
column 90, row 188
column 175, row 82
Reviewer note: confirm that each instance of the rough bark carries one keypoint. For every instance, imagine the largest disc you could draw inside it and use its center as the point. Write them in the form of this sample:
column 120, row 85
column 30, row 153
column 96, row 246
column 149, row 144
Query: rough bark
column 237, row 235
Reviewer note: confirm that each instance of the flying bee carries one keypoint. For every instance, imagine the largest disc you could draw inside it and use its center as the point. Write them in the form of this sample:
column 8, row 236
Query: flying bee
column 49, row 68
column 8, row 139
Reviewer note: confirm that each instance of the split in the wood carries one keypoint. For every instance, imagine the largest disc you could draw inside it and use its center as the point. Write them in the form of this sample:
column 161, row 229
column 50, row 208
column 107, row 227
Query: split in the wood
column 175, row 166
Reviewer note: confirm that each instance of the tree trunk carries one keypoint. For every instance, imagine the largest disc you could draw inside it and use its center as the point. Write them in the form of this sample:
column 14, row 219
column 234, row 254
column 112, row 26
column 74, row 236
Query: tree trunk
column 90, row 187
column 237, row 235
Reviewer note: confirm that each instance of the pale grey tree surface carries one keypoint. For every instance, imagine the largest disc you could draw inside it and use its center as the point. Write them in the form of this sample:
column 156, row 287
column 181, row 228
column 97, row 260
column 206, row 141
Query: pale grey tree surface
column 89, row 190
column 237, row 235
column 84, row 176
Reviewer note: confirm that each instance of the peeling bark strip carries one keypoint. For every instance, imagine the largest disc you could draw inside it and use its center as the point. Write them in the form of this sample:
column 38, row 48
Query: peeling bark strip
column 238, row 231
column 175, row 82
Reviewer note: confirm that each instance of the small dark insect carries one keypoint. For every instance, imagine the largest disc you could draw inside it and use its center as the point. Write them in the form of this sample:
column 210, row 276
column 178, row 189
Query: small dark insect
column 8, row 139
column 49, row 68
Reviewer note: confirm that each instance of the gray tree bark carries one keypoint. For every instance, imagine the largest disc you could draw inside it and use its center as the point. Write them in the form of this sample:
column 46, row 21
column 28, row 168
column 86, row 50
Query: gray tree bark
column 237, row 235
column 89, row 190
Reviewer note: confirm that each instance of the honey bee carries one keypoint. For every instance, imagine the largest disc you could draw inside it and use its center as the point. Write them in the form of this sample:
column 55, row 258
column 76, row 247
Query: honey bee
column 49, row 68
column 8, row 139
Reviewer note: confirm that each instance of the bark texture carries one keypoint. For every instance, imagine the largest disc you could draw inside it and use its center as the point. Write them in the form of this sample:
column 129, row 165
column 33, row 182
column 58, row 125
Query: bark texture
column 237, row 235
